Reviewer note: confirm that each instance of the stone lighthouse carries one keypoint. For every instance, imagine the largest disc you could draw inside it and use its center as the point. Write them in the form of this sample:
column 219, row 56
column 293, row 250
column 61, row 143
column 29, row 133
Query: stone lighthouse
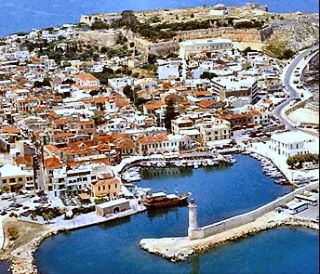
column 193, row 220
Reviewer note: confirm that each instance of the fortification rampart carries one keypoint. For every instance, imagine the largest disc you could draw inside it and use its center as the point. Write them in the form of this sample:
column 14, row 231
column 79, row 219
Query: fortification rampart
column 236, row 35
column 100, row 38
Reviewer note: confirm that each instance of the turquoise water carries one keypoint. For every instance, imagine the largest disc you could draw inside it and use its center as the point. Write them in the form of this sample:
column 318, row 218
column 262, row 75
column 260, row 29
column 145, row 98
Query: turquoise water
column 23, row 15
column 220, row 193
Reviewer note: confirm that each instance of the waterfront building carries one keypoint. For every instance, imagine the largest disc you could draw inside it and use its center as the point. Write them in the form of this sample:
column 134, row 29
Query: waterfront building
column 112, row 207
column 292, row 143
column 106, row 186
column 185, row 126
column 161, row 143
column 74, row 180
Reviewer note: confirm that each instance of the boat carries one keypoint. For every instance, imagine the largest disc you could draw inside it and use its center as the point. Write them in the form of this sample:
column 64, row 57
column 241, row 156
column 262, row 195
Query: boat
column 189, row 164
column 210, row 162
column 281, row 182
column 161, row 199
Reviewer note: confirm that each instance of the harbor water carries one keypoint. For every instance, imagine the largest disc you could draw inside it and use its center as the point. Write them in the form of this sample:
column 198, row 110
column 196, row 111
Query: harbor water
column 24, row 15
column 220, row 193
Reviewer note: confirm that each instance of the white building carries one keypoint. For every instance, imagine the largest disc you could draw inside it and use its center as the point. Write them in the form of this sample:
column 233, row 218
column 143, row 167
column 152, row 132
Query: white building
column 185, row 126
column 76, row 179
column 87, row 81
column 168, row 69
column 162, row 143
column 232, row 86
column 120, row 82
column 200, row 45
column 292, row 142
column 13, row 177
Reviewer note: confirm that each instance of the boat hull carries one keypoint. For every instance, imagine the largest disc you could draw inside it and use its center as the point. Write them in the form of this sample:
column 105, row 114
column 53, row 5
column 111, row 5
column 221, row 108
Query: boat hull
column 181, row 201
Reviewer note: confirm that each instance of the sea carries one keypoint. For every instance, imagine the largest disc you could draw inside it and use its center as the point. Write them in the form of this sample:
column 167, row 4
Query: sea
column 220, row 192
column 24, row 15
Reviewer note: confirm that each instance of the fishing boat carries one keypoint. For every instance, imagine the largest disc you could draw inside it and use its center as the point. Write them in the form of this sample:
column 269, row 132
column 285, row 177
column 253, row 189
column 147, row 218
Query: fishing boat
column 161, row 199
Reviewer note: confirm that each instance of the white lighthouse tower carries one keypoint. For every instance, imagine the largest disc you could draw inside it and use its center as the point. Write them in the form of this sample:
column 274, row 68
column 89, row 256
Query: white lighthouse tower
column 193, row 220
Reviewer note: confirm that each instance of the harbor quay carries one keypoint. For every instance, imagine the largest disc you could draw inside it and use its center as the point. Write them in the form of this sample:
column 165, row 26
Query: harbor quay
column 190, row 159
column 201, row 239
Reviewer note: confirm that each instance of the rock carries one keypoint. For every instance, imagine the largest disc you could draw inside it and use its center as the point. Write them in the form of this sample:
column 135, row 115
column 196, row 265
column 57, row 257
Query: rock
column 183, row 254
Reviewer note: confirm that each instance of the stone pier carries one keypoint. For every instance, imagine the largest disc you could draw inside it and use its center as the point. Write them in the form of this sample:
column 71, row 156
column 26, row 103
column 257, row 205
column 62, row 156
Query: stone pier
column 202, row 238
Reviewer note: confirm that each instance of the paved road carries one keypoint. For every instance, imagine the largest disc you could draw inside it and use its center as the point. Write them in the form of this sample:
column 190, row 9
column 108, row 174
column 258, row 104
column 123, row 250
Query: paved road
column 278, row 111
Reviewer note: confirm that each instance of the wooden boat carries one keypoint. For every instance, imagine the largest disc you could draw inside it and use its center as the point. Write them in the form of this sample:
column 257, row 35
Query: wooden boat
column 161, row 199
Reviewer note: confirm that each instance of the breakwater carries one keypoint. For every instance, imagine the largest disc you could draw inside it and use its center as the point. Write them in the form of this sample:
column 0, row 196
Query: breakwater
column 203, row 238
column 180, row 249
column 249, row 217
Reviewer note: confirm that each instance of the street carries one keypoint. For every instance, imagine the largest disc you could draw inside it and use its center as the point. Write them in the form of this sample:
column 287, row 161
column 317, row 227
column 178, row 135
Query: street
column 293, row 94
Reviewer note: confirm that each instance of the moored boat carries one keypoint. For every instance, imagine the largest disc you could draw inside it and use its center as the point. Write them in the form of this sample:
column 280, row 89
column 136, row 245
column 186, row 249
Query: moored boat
column 161, row 199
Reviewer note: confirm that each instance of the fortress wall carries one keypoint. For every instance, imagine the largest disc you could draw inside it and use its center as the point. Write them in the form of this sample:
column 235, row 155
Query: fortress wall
column 100, row 38
column 249, row 217
column 236, row 35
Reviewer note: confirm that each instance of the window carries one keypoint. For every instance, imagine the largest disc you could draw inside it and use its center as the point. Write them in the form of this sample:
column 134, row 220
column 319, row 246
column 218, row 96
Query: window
column 20, row 179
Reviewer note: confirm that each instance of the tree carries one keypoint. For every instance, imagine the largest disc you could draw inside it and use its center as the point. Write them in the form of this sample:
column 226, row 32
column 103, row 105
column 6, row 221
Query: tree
column 171, row 114
column 93, row 92
column 208, row 75
column 98, row 24
column 152, row 59
column 45, row 82
column 127, row 90
column 298, row 159
column 288, row 54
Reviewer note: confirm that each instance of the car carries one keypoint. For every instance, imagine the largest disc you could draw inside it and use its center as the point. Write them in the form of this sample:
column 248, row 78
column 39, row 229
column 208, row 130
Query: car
column 24, row 214
column 25, row 207
column 279, row 209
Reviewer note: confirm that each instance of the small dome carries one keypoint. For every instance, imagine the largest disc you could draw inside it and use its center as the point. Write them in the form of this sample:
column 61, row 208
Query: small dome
column 219, row 7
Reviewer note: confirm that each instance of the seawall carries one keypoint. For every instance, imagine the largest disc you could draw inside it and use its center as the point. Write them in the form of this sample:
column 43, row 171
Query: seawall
column 249, row 217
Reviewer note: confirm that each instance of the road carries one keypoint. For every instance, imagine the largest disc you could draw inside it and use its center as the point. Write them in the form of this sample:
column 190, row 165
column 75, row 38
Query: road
column 293, row 94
